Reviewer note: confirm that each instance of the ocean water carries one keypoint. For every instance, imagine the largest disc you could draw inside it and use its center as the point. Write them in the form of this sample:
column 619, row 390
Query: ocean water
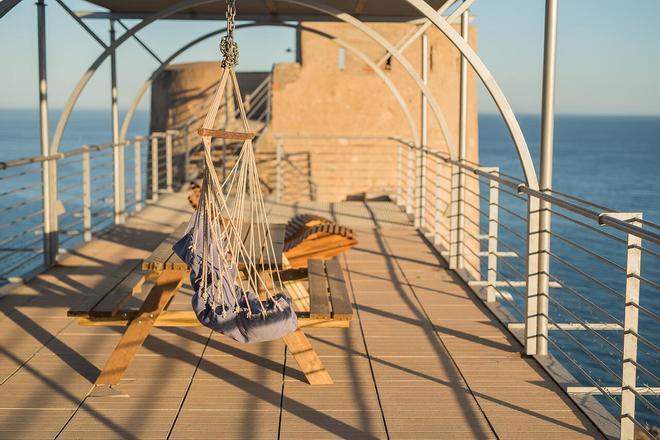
column 612, row 161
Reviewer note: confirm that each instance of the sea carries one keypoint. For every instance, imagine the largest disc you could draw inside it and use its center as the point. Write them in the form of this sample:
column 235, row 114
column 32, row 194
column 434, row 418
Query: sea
column 611, row 161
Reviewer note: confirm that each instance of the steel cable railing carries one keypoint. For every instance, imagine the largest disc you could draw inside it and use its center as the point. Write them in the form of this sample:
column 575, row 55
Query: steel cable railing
column 586, row 283
column 83, row 187
column 86, row 185
column 592, row 285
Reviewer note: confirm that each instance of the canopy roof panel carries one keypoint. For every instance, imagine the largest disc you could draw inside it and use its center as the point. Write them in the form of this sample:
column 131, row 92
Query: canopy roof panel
column 381, row 10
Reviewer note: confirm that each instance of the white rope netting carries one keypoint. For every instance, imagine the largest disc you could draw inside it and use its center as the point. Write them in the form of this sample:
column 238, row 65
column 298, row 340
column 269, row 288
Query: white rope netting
column 230, row 224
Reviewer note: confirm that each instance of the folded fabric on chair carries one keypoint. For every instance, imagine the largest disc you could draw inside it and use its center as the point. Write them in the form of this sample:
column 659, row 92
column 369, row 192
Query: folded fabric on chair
column 223, row 306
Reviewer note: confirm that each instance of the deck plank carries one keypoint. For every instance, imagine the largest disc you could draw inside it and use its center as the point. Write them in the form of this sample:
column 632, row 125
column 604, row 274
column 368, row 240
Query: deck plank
column 422, row 357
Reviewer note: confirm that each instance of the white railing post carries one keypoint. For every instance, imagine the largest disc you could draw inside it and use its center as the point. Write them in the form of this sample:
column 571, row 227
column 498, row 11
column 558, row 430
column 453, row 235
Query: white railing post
column 630, row 326
column 532, row 285
column 168, row 161
column 421, row 154
column 454, row 257
column 493, row 214
column 546, row 163
column 437, row 227
column 279, row 183
column 137, row 170
column 399, row 173
column 410, row 178
column 462, row 147
column 119, row 174
column 420, row 187
column 154, row 167
column 186, row 154
column 48, row 167
column 86, row 195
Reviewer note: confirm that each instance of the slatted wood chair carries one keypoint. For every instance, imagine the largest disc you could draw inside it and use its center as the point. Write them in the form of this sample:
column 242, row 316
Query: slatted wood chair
column 310, row 236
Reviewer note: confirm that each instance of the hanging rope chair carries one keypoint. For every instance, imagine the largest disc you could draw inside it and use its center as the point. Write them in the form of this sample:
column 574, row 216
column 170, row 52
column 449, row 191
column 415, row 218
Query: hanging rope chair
column 228, row 245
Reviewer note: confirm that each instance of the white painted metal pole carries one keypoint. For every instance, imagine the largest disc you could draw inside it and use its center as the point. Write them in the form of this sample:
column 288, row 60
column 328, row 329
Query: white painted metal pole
column 420, row 185
column 493, row 218
column 545, row 183
column 154, row 167
column 630, row 331
column 137, row 170
column 453, row 216
column 168, row 162
column 117, row 151
column 410, row 180
column 49, row 182
column 437, row 227
column 399, row 173
column 532, row 284
column 186, row 155
column 462, row 145
column 86, row 194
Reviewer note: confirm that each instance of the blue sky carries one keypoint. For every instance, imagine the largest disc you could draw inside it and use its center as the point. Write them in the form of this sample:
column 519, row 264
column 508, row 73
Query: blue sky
column 608, row 59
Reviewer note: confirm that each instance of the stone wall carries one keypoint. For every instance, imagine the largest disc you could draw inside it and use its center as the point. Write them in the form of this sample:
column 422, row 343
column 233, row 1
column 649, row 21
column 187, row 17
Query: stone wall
column 179, row 101
column 334, row 117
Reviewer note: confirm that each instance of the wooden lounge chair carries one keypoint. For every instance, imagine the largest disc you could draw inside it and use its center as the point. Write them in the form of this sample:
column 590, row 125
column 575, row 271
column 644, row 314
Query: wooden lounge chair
column 313, row 237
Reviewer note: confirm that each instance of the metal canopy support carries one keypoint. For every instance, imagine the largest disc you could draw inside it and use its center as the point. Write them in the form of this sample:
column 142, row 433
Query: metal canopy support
column 8, row 5
column 630, row 326
column 420, row 185
column 142, row 43
column 117, row 150
column 545, row 178
column 48, row 167
column 403, row 45
column 491, row 85
column 82, row 24
column 84, row 80
column 460, row 10
column 357, row 53
column 462, row 145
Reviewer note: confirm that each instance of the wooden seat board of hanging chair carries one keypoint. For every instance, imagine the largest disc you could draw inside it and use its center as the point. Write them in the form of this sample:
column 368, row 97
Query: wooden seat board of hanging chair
column 222, row 134
column 314, row 237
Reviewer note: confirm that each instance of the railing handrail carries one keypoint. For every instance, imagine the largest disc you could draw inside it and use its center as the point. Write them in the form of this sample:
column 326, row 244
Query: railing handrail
column 602, row 218
column 76, row 151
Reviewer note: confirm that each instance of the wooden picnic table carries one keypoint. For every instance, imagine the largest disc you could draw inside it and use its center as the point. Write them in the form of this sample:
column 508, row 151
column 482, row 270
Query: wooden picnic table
column 324, row 303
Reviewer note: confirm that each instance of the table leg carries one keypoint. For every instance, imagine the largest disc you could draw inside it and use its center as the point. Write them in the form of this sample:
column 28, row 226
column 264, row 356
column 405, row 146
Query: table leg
column 308, row 361
column 165, row 286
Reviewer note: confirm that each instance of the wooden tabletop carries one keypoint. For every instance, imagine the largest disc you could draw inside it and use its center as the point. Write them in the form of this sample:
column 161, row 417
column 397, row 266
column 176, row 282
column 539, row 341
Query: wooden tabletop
column 164, row 258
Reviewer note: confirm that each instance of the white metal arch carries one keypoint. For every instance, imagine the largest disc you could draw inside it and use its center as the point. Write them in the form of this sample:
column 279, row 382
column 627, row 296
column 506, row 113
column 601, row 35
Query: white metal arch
column 491, row 85
column 396, row 53
column 82, row 83
column 357, row 53
column 185, row 4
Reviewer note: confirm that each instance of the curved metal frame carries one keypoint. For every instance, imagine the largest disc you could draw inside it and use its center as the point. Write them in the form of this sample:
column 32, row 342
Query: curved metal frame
column 59, row 131
column 491, row 85
column 383, row 42
column 80, row 86
column 359, row 54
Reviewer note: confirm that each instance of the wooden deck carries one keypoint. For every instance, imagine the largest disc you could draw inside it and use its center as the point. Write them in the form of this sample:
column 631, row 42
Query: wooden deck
column 422, row 358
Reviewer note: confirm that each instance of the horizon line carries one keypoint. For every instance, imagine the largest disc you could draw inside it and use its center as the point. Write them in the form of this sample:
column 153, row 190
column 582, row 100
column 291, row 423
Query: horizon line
column 480, row 113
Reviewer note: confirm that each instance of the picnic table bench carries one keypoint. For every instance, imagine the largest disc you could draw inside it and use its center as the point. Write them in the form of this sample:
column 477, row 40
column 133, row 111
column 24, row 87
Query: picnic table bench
column 319, row 295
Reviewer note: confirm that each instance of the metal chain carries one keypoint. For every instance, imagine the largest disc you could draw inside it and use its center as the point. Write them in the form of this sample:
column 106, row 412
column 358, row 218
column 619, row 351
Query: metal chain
column 228, row 45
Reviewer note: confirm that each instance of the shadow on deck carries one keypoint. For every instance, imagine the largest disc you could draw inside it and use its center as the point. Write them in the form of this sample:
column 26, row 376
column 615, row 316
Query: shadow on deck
column 422, row 359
